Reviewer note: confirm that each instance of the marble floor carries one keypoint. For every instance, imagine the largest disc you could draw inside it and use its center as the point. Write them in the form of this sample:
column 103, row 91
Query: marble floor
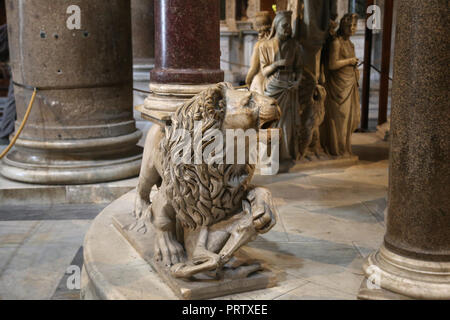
column 330, row 219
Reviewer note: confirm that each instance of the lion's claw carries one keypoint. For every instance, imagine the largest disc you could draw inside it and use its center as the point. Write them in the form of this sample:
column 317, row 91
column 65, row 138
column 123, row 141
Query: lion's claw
column 168, row 250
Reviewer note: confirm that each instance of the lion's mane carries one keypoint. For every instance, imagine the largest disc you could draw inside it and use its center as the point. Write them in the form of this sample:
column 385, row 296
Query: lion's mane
column 202, row 194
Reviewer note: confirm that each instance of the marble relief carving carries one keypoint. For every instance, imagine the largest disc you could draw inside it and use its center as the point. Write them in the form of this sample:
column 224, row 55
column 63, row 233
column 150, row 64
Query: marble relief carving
column 311, row 71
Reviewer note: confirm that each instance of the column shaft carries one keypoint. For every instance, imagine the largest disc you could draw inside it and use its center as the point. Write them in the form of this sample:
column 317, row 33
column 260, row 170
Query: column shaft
column 415, row 258
column 81, row 128
column 187, row 42
column 143, row 29
column 418, row 223
column 187, row 54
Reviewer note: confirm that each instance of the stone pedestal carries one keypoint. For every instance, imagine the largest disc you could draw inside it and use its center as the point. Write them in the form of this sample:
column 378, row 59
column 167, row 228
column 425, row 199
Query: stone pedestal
column 187, row 53
column 129, row 272
column 415, row 258
column 81, row 128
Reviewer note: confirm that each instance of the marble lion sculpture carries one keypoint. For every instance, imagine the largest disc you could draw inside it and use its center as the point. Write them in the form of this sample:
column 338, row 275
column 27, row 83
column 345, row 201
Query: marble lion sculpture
column 203, row 213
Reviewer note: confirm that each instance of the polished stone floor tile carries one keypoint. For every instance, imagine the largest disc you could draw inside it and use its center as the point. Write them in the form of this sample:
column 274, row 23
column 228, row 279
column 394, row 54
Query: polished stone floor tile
column 39, row 262
column 312, row 291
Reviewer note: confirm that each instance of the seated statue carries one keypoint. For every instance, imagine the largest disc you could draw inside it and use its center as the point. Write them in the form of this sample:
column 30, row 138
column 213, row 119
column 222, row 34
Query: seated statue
column 203, row 213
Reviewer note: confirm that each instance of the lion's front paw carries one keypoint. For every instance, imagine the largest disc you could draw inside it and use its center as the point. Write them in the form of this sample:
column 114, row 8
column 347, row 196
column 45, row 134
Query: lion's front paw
column 167, row 249
column 140, row 206
column 263, row 218
column 263, row 210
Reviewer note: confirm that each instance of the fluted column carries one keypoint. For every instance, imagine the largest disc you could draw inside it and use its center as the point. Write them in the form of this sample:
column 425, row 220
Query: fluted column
column 414, row 260
column 81, row 128
column 187, row 52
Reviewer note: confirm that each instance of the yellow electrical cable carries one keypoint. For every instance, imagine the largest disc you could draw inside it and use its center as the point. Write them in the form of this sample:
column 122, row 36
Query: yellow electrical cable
column 25, row 118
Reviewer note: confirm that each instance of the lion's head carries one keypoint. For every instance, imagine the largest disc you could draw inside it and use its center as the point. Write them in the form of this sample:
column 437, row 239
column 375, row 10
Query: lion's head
column 203, row 194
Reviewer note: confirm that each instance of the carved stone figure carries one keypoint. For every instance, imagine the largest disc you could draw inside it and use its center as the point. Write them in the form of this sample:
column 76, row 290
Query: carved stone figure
column 255, row 78
column 281, row 65
column 311, row 21
column 202, row 213
column 312, row 113
column 342, row 103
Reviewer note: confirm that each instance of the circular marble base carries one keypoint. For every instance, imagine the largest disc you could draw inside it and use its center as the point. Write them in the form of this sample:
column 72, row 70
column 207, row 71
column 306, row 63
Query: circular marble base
column 128, row 271
column 167, row 98
column 82, row 173
column 408, row 277
column 112, row 268
column 74, row 161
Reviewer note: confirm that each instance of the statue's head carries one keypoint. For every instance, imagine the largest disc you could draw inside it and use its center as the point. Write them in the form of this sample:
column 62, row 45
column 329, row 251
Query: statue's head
column 348, row 25
column 282, row 26
column 263, row 22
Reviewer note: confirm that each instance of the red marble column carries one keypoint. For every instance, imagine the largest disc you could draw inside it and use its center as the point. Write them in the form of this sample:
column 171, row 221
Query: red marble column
column 187, row 42
column 187, row 53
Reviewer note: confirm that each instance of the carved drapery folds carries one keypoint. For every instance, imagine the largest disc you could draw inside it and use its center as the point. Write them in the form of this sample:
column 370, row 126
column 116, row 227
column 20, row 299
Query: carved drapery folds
column 322, row 69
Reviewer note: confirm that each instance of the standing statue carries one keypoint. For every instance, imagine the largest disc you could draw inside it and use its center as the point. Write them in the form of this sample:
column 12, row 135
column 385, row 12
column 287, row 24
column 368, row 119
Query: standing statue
column 281, row 65
column 311, row 21
column 255, row 79
column 342, row 103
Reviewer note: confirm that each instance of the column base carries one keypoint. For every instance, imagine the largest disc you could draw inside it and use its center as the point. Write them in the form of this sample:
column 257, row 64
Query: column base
column 391, row 276
column 166, row 98
column 74, row 161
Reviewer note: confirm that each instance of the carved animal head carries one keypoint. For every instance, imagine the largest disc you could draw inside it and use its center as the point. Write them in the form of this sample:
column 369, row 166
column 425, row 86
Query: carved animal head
column 205, row 193
column 249, row 110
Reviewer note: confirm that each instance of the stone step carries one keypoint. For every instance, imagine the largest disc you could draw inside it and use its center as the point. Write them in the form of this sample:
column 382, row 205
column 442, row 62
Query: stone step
column 16, row 193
